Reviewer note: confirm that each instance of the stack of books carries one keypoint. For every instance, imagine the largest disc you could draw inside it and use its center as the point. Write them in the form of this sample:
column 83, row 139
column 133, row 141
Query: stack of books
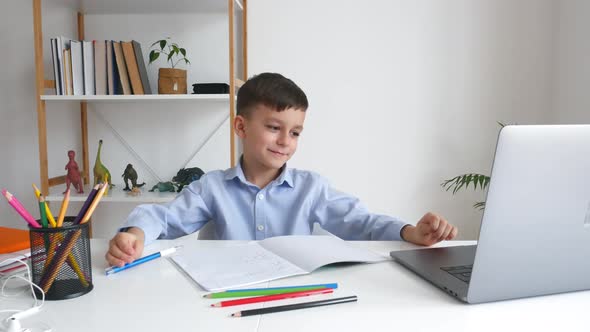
column 98, row 67
column 14, row 245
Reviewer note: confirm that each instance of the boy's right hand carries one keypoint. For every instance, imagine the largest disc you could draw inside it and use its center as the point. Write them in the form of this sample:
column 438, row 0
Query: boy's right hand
column 125, row 247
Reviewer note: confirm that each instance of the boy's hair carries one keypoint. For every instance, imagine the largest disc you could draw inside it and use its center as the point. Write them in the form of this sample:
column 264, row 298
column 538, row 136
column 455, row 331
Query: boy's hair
column 272, row 90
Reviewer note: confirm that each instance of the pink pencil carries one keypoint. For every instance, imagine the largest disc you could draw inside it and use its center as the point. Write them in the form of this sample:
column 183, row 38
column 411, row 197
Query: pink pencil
column 20, row 209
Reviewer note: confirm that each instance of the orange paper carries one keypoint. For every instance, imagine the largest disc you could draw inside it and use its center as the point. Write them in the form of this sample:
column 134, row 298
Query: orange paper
column 12, row 239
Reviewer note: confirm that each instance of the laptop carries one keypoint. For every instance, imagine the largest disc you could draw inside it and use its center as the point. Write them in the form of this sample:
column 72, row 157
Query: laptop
column 535, row 230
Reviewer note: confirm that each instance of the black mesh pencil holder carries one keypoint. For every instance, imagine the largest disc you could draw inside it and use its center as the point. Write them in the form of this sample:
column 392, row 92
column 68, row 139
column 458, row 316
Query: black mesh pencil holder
column 60, row 260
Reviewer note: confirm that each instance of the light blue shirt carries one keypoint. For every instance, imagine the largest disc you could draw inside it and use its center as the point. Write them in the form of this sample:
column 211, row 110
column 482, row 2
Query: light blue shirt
column 240, row 210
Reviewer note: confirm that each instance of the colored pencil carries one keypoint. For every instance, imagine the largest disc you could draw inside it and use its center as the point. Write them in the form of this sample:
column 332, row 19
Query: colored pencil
column 268, row 298
column 86, row 204
column 297, row 306
column 47, row 210
column 267, row 291
column 20, row 209
column 42, row 212
column 163, row 253
column 63, row 209
column 94, row 203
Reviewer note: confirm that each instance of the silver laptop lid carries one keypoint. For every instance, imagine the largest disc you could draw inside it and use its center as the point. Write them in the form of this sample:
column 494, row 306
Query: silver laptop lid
column 535, row 231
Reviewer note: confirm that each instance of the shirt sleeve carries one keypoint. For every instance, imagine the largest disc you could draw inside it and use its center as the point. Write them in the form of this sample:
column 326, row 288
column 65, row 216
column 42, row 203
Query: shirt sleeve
column 346, row 217
column 186, row 214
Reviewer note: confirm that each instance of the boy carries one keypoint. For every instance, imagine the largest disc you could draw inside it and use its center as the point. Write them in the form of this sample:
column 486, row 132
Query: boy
column 261, row 197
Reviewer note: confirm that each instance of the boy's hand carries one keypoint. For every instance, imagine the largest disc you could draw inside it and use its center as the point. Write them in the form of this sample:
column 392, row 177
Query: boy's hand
column 125, row 247
column 429, row 230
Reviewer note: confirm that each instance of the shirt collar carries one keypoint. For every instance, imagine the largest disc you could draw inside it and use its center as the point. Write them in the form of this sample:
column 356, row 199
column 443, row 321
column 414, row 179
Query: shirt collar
column 286, row 175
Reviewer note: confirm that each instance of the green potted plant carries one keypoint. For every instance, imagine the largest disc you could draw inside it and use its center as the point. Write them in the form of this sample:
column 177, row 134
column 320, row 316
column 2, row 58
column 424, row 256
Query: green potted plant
column 464, row 180
column 170, row 80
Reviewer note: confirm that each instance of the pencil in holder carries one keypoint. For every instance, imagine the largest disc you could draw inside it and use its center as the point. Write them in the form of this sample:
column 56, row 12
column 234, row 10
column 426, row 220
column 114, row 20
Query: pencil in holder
column 60, row 260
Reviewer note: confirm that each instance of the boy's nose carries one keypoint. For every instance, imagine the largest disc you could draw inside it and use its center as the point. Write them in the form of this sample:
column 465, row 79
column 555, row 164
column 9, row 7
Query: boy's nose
column 283, row 139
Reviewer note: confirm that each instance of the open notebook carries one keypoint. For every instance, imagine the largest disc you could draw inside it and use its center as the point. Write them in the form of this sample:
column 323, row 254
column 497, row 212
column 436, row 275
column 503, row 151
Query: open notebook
column 221, row 268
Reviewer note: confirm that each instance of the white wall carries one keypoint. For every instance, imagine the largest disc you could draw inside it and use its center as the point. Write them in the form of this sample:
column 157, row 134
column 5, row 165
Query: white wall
column 403, row 94
column 572, row 63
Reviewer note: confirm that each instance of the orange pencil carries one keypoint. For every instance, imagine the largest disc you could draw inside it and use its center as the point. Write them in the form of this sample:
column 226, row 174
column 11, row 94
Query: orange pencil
column 64, row 207
column 94, row 203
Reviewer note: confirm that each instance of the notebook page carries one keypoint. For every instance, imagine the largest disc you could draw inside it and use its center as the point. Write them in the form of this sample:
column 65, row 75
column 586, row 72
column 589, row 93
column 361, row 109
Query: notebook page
column 312, row 252
column 221, row 268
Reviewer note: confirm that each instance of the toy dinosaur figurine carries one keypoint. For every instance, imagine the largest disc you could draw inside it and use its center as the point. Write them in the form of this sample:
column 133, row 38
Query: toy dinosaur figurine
column 73, row 175
column 164, row 186
column 101, row 173
column 187, row 175
column 131, row 175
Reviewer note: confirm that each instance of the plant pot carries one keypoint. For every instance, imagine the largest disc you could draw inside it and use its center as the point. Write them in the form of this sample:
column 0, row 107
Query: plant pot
column 171, row 81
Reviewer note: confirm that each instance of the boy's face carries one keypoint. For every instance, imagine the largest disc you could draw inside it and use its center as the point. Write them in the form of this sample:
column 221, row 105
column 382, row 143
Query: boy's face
column 269, row 137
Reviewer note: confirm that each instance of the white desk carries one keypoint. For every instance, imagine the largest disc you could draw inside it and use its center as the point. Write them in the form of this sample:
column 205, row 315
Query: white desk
column 156, row 296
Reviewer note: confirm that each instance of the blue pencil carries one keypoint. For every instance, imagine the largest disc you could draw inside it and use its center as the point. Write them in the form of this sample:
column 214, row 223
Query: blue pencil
column 115, row 269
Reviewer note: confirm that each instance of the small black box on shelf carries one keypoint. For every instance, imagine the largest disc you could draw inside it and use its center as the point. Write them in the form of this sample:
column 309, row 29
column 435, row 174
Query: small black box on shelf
column 210, row 88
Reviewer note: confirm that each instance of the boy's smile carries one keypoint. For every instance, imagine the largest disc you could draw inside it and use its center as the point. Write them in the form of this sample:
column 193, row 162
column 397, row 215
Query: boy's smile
column 269, row 140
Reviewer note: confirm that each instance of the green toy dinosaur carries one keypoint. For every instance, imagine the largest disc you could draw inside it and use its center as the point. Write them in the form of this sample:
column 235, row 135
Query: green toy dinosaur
column 100, row 171
column 164, row 186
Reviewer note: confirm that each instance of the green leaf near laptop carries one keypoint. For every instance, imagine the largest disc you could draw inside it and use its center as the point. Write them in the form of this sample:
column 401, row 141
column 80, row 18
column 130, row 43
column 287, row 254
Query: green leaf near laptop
column 464, row 180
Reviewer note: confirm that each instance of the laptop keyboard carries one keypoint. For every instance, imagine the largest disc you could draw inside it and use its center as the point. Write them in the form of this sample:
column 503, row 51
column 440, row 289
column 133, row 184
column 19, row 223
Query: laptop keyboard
column 462, row 272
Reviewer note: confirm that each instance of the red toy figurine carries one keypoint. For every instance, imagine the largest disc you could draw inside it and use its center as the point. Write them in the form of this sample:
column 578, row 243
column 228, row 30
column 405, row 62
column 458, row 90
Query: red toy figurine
column 73, row 176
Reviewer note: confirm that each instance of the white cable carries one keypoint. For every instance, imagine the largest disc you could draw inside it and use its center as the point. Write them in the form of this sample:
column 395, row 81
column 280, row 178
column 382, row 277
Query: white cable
column 36, row 306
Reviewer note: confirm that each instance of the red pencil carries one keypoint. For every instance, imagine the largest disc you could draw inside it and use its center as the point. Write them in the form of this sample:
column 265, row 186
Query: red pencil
column 274, row 297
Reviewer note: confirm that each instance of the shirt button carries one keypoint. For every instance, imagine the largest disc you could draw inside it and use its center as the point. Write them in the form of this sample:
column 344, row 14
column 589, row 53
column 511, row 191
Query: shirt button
column 260, row 228
column 260, row 196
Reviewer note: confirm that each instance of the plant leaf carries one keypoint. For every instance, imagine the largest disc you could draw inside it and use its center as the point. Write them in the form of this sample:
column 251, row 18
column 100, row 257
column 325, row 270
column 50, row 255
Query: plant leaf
column 186, row 61
column 156, row 42
column 183, row 51
column 170, row 56
column 175, row 48
column 464, row 180
column 479, row 205
column 154, row 56
column 163, row 43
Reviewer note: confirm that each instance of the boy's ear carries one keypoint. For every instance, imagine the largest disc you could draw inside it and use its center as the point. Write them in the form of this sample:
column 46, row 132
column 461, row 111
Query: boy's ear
column 240, row 126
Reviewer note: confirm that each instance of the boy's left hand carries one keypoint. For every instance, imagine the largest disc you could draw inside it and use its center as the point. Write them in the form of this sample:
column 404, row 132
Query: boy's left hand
column 431, row 229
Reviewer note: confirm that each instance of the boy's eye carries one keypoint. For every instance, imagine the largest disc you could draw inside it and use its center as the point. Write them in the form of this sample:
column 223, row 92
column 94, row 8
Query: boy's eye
column 296, row 133
column 271, row 127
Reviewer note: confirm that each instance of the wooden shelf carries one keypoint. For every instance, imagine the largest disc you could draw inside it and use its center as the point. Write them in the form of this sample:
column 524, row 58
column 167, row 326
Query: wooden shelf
column 116, row 194
column 117, row 98
column 148, row 6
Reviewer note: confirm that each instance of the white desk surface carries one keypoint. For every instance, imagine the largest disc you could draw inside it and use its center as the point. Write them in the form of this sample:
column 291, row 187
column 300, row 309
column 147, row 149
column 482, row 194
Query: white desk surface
column 156, row 296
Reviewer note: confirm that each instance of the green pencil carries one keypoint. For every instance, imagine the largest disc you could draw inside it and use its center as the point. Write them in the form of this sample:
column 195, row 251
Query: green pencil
column 268, row 291
column 42, row 212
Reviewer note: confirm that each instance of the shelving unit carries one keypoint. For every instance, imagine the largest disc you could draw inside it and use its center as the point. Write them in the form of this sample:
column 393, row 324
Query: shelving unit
column 236, row 11
column 118, row 98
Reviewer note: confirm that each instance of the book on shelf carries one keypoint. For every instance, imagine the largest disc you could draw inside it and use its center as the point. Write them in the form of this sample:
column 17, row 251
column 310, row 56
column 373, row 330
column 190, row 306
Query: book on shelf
column 63, row 44
column 141, row 65
column 67, row 60
column 217, row 269
column 112, row 75
column 132, row 67
column 121, row 68
column 100, row 67
column 56, row 67
column 88, row 64
column 77, row 67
